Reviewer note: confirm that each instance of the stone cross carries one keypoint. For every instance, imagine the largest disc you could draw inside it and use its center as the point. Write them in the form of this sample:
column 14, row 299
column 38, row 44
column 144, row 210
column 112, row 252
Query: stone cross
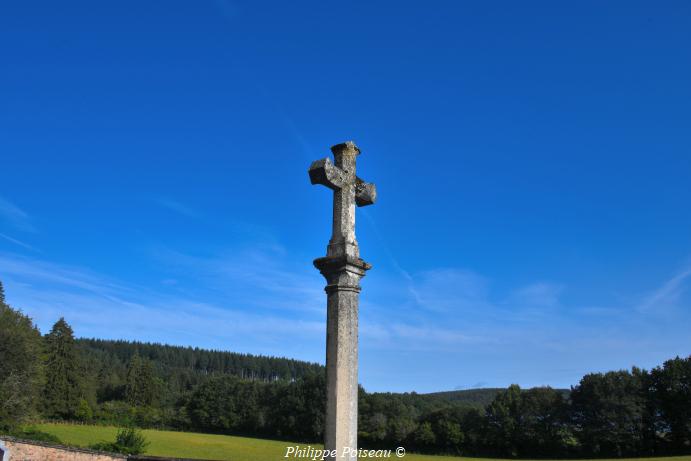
column 342, row 268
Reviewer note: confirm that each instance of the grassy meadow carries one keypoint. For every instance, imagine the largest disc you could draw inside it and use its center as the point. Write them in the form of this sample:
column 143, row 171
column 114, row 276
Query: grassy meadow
column 215, row 447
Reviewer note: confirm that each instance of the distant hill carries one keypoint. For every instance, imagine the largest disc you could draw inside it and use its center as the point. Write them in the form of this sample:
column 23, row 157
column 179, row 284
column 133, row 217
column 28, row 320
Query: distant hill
column 475, row 397
column 114, row 356
column 173, row 360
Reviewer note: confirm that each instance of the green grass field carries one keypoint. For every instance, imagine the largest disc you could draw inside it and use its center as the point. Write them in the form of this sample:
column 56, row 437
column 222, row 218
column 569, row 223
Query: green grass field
column 215, row 447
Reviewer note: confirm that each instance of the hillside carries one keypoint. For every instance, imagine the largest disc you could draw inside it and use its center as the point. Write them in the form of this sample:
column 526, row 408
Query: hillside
column 476, row 397
column 175, row 359
column 472, row 397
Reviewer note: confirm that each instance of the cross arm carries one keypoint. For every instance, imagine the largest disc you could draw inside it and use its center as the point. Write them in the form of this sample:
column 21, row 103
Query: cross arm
column 326, row 173
column 365, row 192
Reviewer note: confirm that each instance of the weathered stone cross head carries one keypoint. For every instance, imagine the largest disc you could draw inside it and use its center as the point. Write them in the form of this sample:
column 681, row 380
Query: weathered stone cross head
column 349, row 190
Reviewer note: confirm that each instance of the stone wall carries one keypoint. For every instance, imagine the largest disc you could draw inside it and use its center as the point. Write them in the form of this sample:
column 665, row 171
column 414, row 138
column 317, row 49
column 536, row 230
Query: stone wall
column 23, row 450
column 28, row 450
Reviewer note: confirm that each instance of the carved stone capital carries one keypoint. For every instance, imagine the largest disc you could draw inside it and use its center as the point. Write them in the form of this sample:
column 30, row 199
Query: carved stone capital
column 342, row 273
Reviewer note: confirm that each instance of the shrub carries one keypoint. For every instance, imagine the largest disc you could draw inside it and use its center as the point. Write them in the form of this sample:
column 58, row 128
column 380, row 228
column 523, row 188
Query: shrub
column 84, row 412
column 128, row 441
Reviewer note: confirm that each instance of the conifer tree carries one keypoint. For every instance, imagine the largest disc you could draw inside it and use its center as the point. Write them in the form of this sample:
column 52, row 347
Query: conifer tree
column 63, row 389
column 20, row 366
column 142, row 384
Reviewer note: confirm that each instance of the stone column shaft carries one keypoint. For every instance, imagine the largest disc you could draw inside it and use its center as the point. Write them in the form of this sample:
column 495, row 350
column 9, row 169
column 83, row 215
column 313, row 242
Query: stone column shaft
column 343, row 276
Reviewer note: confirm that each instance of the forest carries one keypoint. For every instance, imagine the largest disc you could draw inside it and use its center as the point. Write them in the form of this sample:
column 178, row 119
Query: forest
column 59, row 377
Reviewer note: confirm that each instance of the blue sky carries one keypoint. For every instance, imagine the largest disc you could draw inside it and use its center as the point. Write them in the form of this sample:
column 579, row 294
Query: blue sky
column 532, row 161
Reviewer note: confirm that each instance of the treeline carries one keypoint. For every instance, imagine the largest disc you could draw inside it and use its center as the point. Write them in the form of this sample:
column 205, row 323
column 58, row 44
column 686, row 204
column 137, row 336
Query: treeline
column 110, row 368
column 194, row 362
column 621, row 413
column 615, row 414
column 478, row 397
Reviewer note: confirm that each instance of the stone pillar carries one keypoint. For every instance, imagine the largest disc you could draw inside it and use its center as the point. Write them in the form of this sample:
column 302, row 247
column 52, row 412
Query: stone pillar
column 343, row 276
column 343, row 269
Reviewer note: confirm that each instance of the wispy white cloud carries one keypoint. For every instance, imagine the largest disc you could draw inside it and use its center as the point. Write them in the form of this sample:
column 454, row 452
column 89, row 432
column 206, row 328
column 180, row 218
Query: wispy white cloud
column 15, row 216
column 167, row 319
column 177, row 207
column 98, row 306
column 667, row 295
column 264, row 300
column 262, row 277
column 535, row 303
column 18, row 242
column 449, row 289
column 433, row 334
column 401, row 334
column 539, row 295
column 400, row 270
column 51, row 274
